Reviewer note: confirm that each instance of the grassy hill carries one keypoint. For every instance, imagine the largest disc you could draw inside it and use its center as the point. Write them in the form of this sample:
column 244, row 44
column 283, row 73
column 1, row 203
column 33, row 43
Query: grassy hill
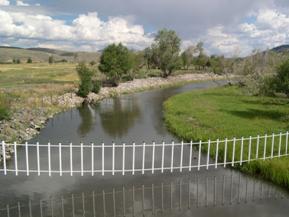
column 41, row 55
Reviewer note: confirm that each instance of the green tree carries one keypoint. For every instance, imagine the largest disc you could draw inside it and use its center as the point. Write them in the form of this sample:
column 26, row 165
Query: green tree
column 115, row 62
column 281, row 79
column 186, row 59
column 51, row 60
column 29, row 60
column 166, row 48
column 85, row 75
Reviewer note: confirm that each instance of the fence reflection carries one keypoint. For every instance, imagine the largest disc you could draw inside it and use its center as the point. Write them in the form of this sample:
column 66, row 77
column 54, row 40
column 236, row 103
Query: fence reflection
column 153, row 199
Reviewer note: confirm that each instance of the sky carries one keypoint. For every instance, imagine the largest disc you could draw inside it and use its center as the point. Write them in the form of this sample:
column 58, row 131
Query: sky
column 227, row 27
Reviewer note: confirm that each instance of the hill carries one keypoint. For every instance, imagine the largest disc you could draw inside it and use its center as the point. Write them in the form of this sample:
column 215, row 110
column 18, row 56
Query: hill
column 7, row 54
column 281, row 49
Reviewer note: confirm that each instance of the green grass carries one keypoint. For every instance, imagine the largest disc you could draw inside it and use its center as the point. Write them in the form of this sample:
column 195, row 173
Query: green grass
column 226, row 113
column 4, row 108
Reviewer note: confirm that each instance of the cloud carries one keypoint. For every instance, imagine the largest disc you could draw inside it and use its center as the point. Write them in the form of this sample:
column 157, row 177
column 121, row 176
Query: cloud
column 86, row 29
column 4, row 2
column 21, row 3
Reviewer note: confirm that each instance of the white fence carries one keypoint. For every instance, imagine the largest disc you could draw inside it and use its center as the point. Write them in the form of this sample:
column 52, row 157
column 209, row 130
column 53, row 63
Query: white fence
column 140, row 158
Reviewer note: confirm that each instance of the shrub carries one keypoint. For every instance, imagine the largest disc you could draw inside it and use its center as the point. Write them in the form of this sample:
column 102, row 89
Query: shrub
column 96, row 87
column 4, row 108
column 85, row 74
column 29, row 60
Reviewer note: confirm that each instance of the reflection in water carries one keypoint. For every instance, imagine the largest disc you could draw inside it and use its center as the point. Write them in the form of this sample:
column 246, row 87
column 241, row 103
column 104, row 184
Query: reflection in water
column 184, row 196
column 117, row 124
column 87, row 116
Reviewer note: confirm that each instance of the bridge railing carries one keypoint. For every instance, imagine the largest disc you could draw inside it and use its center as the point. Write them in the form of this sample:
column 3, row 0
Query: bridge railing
column 124, row 159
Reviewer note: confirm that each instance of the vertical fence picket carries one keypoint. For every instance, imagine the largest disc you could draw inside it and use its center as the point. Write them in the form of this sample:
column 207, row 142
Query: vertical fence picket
column 272, row 145
column 133, row 158
column 92, row 159
column 265, row 147
column 217, row 154
column 49, row 159
column 199, row 155
column 102, row 159
column 153, row 158
column 60, row 159
column 286, row 148
column 250, row 146
column 225, row 154
column 15, row 159
column 233, row 153
column 208, row 154
column 242, row 150
column 38, row 158
column 143, row 157
column 163, row 156
column 71, row 159
column 27, row 159
column 257, row 147
column 280, row 144
column 4, row 158
column 172, row 156
column 182, row 154
column 123, row 159
column 113, row 156
column 81, row 158
column 190, row 160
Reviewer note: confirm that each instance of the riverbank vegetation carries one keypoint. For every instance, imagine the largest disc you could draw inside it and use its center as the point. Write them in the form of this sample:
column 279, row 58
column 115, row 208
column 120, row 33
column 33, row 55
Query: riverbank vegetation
column 229, row 112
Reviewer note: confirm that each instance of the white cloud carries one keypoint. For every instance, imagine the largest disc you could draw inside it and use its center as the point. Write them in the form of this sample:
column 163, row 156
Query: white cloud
column 86, row 29
column 21, row 3
column 4, row 2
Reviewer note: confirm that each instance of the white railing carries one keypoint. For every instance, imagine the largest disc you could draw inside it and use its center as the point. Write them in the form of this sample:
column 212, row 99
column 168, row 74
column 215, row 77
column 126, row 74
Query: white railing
column 140, row 158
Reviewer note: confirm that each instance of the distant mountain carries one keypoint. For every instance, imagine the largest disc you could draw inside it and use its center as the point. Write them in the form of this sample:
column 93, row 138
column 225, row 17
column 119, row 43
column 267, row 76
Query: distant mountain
column 282, row 48
column 7, row 54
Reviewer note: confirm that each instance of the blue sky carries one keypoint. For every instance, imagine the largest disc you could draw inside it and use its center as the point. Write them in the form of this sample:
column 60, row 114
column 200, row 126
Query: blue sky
column 232, row 28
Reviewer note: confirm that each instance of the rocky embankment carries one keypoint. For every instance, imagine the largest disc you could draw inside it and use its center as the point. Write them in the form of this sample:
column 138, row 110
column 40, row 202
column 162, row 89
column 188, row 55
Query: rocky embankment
column 27, row 122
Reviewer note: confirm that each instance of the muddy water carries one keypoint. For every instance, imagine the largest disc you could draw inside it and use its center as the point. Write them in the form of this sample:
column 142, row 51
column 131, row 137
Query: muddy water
column 131, row 118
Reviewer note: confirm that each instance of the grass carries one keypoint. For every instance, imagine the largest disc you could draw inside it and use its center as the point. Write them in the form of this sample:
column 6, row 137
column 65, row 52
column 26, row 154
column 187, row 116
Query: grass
column 226, row 113
column 4, row 108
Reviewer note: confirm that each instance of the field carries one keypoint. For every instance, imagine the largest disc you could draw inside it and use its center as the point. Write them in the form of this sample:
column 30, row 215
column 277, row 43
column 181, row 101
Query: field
column 226, row 113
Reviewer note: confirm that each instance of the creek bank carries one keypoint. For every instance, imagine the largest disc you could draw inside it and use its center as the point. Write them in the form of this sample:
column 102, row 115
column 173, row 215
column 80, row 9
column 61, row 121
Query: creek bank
column 27, row 122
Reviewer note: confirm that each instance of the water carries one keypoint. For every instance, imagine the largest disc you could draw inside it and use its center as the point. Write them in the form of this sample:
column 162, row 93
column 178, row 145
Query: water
column 132, row 118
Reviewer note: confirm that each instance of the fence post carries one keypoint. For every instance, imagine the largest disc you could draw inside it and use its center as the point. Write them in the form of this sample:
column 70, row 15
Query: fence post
column 4, row 157
column 272, row 145
column 15, row 156
column 38, row 158
column 181, row 160
column 163, row 156
column 286, row 149
column 92, row 159
column 172, row 156
column 113, row 155
column 217, row 153
column 81, row 158
column 265, row 147
column 71, row 160
column 250, row 146
column 191, row 150
column 60, row 159
column 199, row 156
column 153, row 158
column 102, row 158
column 123, row 159
column 257, row 147
column 234, row 147
column 280, row 144
column 27, row 158
column 208, row 154
column 242, row 149
column 49, row 159
column 143, row 157
column 133, row 158
column 225, row 154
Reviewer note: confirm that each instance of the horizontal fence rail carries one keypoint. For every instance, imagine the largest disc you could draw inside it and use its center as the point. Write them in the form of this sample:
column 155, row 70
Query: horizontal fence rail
column 139, row 158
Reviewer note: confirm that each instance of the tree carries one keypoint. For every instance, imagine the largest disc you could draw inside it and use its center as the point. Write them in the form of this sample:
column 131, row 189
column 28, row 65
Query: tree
column 51, row 60
column 29, row 60
column 166, row 48
column 281, row 79
column 85, row 75
column 115, row 62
